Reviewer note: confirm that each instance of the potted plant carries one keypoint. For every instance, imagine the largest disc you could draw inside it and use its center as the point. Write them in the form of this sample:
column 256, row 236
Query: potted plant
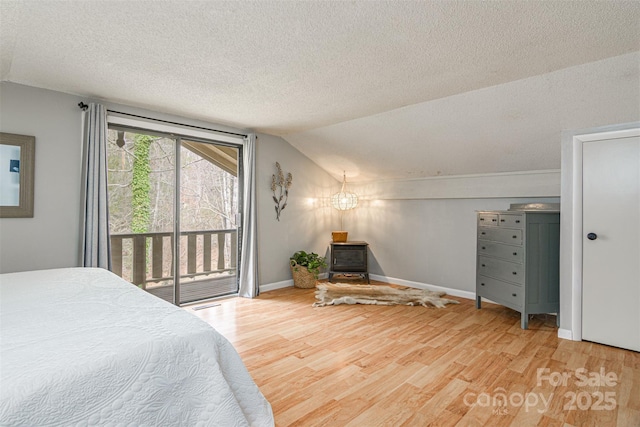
column 305, row 268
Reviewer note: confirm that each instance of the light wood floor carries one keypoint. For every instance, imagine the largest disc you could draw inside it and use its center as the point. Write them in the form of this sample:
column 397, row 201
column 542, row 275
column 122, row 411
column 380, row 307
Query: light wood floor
column 415, row 366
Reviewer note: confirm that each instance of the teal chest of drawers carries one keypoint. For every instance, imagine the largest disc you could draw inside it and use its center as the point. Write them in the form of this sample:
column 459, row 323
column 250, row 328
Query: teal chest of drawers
column 518, row 261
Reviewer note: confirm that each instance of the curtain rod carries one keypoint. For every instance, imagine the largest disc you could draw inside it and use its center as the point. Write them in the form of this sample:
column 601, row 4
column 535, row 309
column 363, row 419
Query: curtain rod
column 84, row 107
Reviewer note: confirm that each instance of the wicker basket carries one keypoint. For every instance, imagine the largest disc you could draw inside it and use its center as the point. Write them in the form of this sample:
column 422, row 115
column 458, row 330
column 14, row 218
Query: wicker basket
column 302, row 278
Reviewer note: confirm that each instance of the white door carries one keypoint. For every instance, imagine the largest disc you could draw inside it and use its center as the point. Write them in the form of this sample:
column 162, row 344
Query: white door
column 611, row 242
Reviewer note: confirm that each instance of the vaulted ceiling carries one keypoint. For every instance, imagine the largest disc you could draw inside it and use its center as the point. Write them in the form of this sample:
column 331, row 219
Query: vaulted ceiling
column 382, row 90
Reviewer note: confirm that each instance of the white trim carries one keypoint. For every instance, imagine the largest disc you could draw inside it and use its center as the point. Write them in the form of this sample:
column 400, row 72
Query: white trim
column 577, row 231
column 114, row 118
column 285, row 284
column 565, row 334
column 545, row 183
column 276, row 285
column 470, row 175
column 576, row 243
column 626, row 133
column 418, row 285
column 449, row 291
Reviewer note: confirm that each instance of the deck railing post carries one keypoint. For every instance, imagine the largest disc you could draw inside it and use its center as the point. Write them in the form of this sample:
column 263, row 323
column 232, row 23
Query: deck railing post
column 140, row 260
column 221, row 239
column 116, row 255
column 148, row 248
column 234, row 250
column 206, row 252
column 157, row 256
column 191, row 253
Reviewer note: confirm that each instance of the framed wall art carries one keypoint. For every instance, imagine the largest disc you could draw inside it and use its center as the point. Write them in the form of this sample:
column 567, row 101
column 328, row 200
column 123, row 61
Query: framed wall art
column 17, row 171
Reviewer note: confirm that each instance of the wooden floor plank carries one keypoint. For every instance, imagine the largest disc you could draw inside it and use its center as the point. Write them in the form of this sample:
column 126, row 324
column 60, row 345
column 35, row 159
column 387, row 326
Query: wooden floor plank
column 416, row 366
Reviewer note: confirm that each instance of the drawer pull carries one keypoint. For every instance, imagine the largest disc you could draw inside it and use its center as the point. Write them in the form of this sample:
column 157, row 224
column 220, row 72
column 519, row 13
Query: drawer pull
column 517, row 221
column 481, row 284
column 481, row 219
column 515, row 237
column 515, row 272
column 483, row 248
column 502, row 220
column 483, row 233
column 483, row 265
column 514, row 295
column 494, row 220
column 515, row 254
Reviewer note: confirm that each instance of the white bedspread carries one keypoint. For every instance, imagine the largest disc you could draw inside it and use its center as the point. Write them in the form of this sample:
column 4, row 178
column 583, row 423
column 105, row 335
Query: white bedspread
column 83, row 347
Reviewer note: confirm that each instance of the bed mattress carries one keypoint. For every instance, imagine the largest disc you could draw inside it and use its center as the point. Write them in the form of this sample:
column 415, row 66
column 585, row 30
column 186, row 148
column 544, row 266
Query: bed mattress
column 81, row 346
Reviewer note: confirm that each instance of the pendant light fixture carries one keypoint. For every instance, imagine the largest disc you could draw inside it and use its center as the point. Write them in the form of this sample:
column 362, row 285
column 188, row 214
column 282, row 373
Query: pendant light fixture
column 344, row 200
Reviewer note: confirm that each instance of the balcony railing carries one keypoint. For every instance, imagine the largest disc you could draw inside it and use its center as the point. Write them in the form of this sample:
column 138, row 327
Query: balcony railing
column 147, row 258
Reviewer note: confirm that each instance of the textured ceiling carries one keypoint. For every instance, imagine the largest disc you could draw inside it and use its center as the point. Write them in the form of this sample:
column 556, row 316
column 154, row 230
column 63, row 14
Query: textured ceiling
column 391, row 89
column 510, row 127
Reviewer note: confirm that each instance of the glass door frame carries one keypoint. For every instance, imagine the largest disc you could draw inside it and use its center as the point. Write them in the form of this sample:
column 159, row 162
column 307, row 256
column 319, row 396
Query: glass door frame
column 177, row 229
column 177, row 138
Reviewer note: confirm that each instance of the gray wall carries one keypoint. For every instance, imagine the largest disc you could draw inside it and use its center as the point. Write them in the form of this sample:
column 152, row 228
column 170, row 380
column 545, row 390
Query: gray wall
column 430, row 241
column 51, row 238
column 306, row 222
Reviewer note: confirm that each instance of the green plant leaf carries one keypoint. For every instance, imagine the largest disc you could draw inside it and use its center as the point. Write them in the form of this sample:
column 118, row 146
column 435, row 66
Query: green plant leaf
column 312, row 261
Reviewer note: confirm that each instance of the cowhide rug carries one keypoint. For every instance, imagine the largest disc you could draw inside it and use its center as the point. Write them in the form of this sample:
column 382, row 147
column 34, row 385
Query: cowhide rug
column 343, row 293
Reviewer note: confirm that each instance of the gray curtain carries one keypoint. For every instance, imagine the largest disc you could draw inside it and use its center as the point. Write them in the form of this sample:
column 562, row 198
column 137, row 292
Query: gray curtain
column 249, row 252
column 96, row 246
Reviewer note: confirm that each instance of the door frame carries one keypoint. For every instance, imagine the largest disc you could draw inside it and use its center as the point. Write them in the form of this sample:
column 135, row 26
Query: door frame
column 177, row 213
column 196, row 134
column 573, row 233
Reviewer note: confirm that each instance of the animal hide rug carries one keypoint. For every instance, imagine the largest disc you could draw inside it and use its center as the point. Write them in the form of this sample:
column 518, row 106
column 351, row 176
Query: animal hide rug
column 343, row 293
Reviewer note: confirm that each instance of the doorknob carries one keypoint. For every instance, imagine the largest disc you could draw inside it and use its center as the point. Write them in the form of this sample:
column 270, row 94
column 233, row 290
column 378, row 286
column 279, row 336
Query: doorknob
column 592, row 236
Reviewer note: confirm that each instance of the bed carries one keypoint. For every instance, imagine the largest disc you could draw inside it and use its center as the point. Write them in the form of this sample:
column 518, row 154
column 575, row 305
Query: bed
column 81, row 346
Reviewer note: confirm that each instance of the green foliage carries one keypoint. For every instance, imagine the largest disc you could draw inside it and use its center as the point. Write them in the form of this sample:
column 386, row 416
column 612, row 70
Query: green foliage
column 312, row 261
column 209, row 194
column 140, row 185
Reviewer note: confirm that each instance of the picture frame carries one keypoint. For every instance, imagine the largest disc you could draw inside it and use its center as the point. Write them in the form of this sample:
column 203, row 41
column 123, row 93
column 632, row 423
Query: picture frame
column 17, row 185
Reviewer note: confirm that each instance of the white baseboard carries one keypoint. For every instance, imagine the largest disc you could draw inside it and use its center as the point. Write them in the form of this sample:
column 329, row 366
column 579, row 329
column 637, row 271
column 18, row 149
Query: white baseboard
column 276, row 285
column 449, row 291
column 284, row 284
column 565, row 334
column 418, row 285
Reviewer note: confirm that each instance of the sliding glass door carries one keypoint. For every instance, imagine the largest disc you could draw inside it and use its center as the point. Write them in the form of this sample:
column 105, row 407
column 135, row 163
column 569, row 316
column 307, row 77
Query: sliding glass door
column 174, row 204
column 209, row 206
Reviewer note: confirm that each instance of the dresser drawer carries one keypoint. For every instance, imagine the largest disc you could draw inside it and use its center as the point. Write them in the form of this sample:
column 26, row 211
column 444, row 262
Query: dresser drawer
column 501, row 292
column 502, row 235
column 499, row 250
column 487, row 219
column 511, row 220
column 500, row 269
